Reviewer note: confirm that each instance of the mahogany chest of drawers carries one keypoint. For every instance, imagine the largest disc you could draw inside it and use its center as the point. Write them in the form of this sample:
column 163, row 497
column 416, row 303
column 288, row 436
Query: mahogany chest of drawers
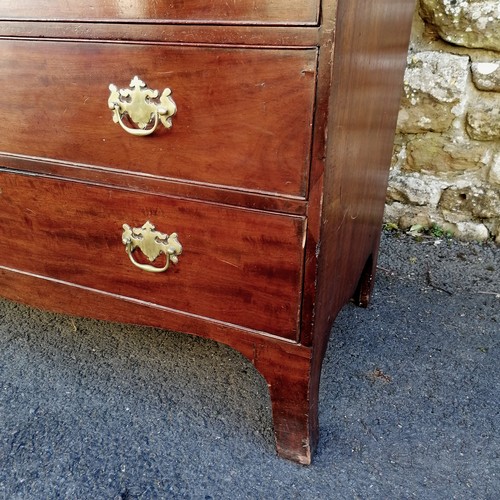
column 216, row 168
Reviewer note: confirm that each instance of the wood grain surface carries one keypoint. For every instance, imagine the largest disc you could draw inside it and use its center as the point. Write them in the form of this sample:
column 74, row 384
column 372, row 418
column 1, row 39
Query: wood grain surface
column 215, row 11
column 243, row 116
column 238, row 266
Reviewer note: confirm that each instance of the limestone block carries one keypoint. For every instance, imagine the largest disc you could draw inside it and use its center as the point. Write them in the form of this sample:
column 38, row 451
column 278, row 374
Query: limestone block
column 410, row 219
column 407, row 215
column 392, row 212
column 415, row 189
column 486, row 75
column 459, row 204
column 494, row 228
column 438, row 154
column 483, row 118
column 469, row 23
column 434, row 84
column 472, row 231
column 494, row 176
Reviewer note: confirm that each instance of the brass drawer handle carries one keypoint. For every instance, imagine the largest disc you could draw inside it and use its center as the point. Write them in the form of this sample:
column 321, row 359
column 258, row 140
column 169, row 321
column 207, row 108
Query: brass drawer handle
column 140, row 105
column 152, row 243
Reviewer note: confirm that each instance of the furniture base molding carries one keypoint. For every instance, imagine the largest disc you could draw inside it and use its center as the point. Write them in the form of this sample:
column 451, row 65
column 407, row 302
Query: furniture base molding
column 286, row 366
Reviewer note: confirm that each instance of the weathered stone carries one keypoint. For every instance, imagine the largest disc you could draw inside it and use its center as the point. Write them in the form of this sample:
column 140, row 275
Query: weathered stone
column 408, row 220
column 469, row 23
column 436, row 153
column 406, row 216
column 434, row 84
column 483, row 118
column 494, row 176
column 472, row 201
column 446, row 161
column 414, row 189
column 472, row 231
column 494, row 229
column 392, row 212
column 486, row 75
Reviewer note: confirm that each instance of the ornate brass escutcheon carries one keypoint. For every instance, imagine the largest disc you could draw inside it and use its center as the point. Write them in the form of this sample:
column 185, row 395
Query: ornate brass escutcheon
column 141, row 106
column 152, row 243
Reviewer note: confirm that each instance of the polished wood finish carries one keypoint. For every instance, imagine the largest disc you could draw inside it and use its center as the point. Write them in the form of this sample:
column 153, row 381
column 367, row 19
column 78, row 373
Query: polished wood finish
column 237, row 263
column 229, row 129
column 184, row 11
column 152, row 184
column 192, row 34
column 281, row 145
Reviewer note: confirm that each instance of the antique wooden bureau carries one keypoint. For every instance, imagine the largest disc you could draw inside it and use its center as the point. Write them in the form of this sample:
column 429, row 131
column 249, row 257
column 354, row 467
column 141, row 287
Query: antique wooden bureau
column 217, row 168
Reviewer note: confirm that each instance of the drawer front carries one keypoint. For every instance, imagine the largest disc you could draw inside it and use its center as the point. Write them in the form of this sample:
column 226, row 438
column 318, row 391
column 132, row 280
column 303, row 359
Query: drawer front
column 243, row 116
column 237, row 266
column 216, row 11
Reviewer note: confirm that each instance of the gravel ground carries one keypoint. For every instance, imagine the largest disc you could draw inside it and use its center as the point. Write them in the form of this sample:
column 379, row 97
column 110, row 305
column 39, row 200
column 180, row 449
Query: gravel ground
column 409, row 403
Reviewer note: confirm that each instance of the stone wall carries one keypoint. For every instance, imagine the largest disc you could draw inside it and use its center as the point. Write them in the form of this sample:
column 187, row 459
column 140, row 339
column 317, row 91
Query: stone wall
column 446, row 168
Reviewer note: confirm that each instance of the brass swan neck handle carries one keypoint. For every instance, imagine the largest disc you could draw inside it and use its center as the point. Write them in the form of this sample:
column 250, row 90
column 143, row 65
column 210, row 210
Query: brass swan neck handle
column 152, row 244
column 142, row 107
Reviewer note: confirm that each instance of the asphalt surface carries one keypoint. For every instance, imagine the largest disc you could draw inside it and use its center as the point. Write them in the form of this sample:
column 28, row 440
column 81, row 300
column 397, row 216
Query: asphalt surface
column 409, row 402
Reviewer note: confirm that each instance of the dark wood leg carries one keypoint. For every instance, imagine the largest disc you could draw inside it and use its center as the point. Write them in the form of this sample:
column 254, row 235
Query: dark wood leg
column 367, row 279
column 365, row 284
column 291, row 371
column 294, row 397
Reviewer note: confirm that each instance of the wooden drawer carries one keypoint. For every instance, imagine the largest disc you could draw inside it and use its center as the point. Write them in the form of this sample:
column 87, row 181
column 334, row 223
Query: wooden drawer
column 237, row 266
column 215, row 11
column 243, row 116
